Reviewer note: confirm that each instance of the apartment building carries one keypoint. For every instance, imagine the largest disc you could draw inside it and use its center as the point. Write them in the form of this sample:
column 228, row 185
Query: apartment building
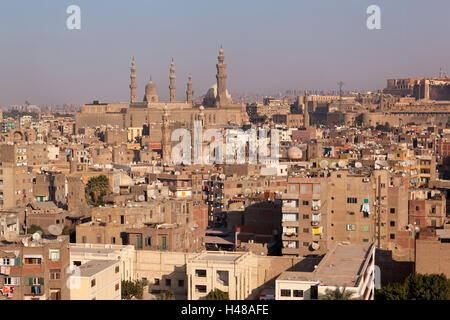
column 433, row 251
column 96, row 280
column 304, row 216
column 16, row 185
column 345, row 265
column 343, row 205
column 80, row 253
column 427, row 207
column 230, row 272
column 35, row 269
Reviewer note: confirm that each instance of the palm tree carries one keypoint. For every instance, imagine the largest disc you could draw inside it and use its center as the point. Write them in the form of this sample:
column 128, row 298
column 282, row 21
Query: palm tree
column 337, row 294
column 96, row 188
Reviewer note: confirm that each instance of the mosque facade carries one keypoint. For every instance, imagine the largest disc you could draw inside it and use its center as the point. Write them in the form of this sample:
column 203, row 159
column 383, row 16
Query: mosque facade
column 217, row 108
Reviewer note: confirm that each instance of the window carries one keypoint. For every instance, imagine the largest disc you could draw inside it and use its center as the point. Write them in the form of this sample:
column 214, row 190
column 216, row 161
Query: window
column 392, row 236
column 222, row 277
column 55, row 274
column 148, row 241
column 33, row 260
column 305, row 230
column 305, row 202
column 392, row 210
column 117, row 269
column 6, row 261
column 365, row 228
column 181, row 283
column 168, row 282
column 365, row 240
column 83, row 239
column 200, row 289
column 117, row 287
column 99, row 239
column 417, row 222
column 156, row 282
column 306, row 216
column 392, row 223
column 113, row 240
column 298, row 293
column 352, row 200
column 200, row 273
column 54, row 254
column 93, row 283
column 164, row 243
column 285, row 293
column 433, row 223
column 305, row 244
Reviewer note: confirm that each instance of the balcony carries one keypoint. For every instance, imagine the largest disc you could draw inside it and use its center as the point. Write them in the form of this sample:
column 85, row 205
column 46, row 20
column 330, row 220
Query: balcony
column 316, row 219
column 289, row 217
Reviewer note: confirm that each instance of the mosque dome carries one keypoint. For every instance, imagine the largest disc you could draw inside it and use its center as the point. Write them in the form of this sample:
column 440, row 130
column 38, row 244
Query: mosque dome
column 295, row 153
column 150, row 92
column 211, row 94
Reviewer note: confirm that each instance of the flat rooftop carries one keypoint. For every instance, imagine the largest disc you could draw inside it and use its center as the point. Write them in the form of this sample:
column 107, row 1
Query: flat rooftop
column 95, row 266
column 341, row 266
column 92, row 250
column 218, row 257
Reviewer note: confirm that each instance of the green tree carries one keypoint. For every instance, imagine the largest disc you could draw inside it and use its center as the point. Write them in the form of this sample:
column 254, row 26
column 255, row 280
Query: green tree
column 217, row 294
column 337, row 294
column 166, row 295
column 133, row 289
column 128, row 289
column 417, row 287
column 34, row 228
column 96, row 189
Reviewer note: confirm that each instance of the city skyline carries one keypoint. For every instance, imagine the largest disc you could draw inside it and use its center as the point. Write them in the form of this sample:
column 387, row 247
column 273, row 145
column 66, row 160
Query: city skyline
column 48, row 64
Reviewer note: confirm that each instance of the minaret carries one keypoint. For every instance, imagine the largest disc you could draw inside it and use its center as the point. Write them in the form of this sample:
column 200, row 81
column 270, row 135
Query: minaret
column 73, row 160
column 172, row 82
column 133, row 85
column 221, row 80
column 189, row 91
column 166, row 148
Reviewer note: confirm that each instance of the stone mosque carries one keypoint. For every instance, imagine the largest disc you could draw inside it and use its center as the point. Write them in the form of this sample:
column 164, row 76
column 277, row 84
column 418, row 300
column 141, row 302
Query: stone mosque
column 217, row 108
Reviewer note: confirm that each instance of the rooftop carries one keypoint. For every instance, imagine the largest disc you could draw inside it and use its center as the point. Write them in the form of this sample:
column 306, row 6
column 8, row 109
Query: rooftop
column 341, row 266
column 95, row 266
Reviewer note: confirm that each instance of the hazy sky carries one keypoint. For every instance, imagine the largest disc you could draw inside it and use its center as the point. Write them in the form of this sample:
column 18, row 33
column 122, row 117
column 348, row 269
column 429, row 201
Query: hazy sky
column 269, row 45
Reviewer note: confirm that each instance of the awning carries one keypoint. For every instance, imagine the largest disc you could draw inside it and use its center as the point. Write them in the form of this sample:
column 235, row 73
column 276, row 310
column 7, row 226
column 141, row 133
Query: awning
column 36, row 256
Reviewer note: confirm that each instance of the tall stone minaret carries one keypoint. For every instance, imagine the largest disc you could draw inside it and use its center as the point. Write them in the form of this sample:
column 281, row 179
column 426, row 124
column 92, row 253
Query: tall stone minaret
column 172, row 82
column 73, row 160
column 221, row 80
column 189, row 91
column 166, row 147
column 133, row 85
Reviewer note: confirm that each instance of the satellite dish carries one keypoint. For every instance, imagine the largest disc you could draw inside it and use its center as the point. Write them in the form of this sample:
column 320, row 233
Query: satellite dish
column 25, row 242
column 358, row 165
column 36, row 236
column 334, row 165
column 323, row 164
column 55, row 229
column 342, row 163
column 11, row 236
